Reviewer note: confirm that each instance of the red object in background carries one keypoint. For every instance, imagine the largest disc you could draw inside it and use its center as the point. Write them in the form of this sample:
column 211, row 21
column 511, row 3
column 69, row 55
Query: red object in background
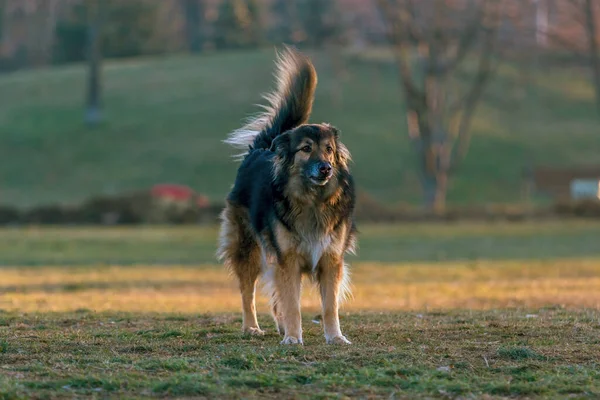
column 202, row 201
column 175, row 192
column 179, row 193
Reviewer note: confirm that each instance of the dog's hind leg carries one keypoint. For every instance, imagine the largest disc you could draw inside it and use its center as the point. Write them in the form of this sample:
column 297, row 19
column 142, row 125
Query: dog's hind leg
column 241, row 254
column 271, row 291
column 247, row 274
column 277, row 317
column 330, row 275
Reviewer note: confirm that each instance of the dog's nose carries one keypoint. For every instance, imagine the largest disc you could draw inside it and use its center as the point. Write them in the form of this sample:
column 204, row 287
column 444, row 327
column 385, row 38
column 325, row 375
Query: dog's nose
column 325, row 168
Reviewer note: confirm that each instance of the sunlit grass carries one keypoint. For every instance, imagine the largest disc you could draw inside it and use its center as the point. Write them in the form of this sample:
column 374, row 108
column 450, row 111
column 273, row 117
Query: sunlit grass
column 379, row 287
column 451, row 311
column 398, row 267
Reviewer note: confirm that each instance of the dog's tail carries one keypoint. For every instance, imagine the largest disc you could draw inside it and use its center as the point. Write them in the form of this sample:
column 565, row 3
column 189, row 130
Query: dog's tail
column 289, row 105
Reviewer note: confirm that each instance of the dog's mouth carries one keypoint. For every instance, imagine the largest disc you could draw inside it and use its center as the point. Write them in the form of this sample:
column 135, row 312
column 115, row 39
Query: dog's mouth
column 320, row 180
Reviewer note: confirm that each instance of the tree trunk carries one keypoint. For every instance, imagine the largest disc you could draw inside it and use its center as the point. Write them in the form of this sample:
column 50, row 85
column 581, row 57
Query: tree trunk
column 441, row 190
column 590, row 22
column 194, row 16
column 93, row 113
column 429, row 187
column 285, row 22
column 5, row 45
column 49, row 21
column 439, row 141
column 541, row 22
column 433, row 173
column 435, row 190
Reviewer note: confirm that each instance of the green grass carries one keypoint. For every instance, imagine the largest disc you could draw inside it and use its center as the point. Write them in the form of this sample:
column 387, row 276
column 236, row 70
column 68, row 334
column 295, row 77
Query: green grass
column 385, row 243
column 407, row 355
column 439, row 311
column 166, row 117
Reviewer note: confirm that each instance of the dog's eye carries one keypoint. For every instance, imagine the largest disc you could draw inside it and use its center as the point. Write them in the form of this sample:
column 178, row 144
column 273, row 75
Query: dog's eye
column 329, row 149
column 306, row 149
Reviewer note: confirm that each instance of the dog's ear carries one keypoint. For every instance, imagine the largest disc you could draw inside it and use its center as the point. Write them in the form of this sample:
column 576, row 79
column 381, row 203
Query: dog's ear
column 343, row 155
column 336, row 132
column 281, row 145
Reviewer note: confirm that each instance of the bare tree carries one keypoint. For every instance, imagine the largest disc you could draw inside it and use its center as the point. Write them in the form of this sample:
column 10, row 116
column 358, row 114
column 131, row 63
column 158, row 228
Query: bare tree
column 579, row 34
column 93, row 113
column 194, row 24
column 4, row 29
column 47, row 29
column 432, row 40
column 28, row 26
column 284, row 20
column 591, row 29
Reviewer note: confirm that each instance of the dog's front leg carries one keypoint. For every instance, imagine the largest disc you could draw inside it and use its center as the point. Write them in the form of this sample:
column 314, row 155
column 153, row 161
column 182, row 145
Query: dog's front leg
column 288, row 282
column 330, row 277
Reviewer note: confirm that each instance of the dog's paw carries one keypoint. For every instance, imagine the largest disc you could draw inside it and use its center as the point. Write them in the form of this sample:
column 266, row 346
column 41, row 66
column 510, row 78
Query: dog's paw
column 338, row 340
column 253, row 331
column 291, row 340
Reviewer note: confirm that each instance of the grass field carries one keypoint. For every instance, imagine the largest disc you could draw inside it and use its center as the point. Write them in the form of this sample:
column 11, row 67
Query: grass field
column 438, row 311
column 166, row 117
column 404, row 355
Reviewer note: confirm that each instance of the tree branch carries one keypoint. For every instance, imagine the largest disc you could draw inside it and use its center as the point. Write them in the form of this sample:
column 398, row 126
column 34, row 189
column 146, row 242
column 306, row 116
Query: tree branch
column 468, row 38
column 469, row 103
column 400, row 42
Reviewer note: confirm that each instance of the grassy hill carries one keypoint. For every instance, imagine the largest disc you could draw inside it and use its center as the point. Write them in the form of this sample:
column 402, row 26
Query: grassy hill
column 166, row 117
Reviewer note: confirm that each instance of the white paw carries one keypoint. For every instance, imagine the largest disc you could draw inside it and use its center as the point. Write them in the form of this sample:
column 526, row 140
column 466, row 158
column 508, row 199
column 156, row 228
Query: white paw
column 254, row 331
column 291, row 340
column 338, row 340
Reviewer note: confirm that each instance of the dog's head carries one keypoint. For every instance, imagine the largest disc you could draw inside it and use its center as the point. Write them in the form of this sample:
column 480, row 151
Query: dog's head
column 313, row 155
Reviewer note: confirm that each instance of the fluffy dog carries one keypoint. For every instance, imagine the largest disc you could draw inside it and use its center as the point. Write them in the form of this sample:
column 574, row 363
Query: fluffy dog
column 290, row 211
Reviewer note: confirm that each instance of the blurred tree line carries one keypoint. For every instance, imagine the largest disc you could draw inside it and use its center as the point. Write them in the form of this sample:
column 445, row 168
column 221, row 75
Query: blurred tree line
column 431, row 41
column 42, row 32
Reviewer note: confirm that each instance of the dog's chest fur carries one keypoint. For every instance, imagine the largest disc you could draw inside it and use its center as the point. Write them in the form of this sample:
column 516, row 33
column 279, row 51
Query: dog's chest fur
column 312, row 236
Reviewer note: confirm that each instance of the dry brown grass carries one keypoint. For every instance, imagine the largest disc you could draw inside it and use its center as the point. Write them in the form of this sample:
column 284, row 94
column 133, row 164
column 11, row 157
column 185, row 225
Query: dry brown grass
column 380, row 287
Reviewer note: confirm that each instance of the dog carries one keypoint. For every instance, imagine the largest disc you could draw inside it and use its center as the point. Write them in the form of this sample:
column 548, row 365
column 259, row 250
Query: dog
column 290, row 211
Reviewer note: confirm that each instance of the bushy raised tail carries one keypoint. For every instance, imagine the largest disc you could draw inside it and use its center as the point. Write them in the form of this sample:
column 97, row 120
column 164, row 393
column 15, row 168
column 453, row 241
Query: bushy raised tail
column 289, row 105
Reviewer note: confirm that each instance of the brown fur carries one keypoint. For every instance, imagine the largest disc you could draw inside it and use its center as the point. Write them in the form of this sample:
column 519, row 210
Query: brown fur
column 289, row 213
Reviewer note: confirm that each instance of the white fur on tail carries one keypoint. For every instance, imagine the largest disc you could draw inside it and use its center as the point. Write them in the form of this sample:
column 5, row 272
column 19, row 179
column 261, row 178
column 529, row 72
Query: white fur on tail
column 243, row 137
column 289, row 105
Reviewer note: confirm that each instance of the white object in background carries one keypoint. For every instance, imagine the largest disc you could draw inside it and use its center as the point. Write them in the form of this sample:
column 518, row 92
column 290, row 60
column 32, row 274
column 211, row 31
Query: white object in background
column 585, row 189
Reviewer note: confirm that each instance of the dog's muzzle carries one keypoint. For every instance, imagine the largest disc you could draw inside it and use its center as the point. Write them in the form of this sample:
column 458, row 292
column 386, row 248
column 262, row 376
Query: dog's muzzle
column 320, row 173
